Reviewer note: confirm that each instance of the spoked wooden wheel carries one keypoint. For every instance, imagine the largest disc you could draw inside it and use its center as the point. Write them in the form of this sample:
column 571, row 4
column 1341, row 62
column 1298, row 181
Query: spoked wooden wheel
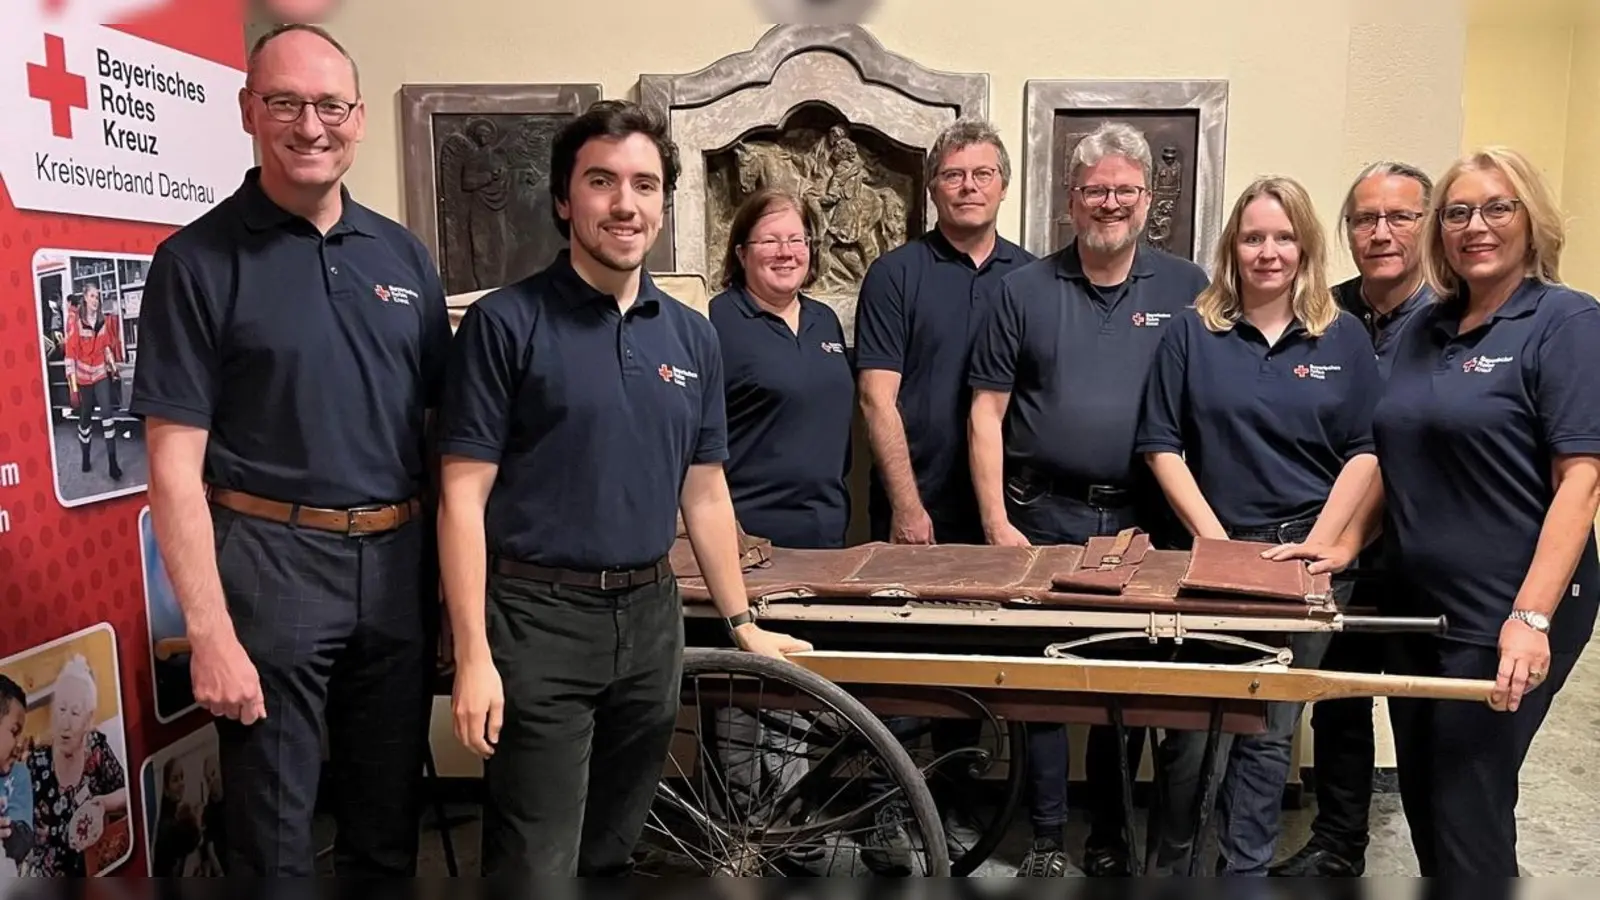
column 778, row 771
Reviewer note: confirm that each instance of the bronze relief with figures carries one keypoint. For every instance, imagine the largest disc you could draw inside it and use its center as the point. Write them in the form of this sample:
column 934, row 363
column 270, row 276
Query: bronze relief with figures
column 858, row 188
column 477, row 176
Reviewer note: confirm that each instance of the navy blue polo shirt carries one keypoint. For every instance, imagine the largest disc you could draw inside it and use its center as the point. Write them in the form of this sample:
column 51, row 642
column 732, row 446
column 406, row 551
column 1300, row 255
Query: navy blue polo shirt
column 1265, row 430
column 790, row 404
column 593, row 416
column 921, row 305
column 1466, row 436
column 310, row 358
column 1075, row 358
column 1385, row 327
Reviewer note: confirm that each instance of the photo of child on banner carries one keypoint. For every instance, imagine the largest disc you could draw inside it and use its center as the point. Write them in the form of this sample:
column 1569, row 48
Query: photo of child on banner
column 64, row 759
column 88, row 320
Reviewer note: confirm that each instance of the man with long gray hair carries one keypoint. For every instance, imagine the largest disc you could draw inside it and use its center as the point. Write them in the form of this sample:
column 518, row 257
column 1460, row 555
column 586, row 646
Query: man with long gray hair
column 1383, row 213
column 1057, row 466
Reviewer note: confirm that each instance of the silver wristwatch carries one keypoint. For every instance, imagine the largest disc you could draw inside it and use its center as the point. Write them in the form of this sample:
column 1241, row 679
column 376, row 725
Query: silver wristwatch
column 1537, row 621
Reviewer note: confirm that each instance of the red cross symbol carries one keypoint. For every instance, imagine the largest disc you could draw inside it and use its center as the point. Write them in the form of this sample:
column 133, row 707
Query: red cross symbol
column 665, row 372
column 53, row 84
column 1301, row 371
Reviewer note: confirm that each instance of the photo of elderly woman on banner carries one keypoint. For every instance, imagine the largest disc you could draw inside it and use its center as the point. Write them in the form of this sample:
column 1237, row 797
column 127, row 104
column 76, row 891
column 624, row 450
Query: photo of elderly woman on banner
column 64, row 781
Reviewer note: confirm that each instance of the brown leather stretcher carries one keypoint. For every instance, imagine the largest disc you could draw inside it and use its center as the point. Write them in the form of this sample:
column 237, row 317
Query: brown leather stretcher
column 1121, row 572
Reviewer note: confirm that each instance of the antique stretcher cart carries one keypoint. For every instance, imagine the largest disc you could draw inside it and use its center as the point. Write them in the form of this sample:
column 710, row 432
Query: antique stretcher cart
column 780, row 765
column 787, row 768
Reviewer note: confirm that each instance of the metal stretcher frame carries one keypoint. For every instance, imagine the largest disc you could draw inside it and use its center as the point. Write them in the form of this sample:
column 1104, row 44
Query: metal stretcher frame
column 939, row 598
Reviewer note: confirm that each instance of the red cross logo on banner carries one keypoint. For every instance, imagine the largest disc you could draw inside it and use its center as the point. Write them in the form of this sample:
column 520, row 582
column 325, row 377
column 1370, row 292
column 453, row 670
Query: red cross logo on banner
column 56, row 86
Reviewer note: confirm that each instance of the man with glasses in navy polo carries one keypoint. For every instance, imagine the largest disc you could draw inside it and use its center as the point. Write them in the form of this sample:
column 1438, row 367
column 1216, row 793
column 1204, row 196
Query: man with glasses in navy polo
column 1057, row 379
column 920, row 306
column 292, row 344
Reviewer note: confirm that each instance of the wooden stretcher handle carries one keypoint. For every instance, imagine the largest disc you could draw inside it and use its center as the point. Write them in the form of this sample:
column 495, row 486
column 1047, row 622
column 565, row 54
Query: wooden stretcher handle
column 1093, row 676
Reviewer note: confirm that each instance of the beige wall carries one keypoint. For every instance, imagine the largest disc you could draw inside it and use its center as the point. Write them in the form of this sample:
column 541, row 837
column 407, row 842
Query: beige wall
column 1580, row 193
column 1314, row 95
column 1531, row 78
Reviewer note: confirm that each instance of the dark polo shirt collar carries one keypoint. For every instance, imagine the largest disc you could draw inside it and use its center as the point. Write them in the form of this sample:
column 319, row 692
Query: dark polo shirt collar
column 571, row 288
column 1524, row 301
column 1069, row 263
column 262, row 214
column 1350, row 296
column 1004, row 251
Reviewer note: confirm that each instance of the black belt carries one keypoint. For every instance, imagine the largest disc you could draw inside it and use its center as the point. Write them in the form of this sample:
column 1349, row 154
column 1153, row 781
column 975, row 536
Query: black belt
column 602, row 579
column 1105, row 496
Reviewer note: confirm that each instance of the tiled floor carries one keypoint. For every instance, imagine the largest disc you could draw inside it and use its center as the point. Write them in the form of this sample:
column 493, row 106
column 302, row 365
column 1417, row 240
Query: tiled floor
column 1559, row 814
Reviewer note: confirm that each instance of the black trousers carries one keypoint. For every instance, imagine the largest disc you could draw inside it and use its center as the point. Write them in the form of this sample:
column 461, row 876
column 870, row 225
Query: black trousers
column 341, row 629
column 592, row 681
column 1345, row 752
column 1459, row 760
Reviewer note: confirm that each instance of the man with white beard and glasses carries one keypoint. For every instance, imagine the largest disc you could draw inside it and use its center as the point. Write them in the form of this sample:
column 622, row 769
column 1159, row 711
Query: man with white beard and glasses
column 1057, row 378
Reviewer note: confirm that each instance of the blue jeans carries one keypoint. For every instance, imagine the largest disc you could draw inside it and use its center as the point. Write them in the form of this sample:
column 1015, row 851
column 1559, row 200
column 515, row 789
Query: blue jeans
column 1250, row 802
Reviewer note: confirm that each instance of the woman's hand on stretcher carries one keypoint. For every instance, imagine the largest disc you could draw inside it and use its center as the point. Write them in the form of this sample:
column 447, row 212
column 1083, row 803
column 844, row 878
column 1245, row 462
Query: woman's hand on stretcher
column 753, row 638
column 1335, row 557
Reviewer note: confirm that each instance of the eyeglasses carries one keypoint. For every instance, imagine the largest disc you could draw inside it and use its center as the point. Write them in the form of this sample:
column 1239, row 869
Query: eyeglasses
column 287, row 108
column 981, row 176
column 1366, row 223
column 1496, row 213
column 1126, row 194
column 771, row 245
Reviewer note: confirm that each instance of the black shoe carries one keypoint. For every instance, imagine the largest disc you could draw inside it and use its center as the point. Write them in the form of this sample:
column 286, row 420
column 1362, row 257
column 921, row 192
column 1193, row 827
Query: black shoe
column 1106, row 862
column 886, row 848
column 1046, row 859
column 1315, row 861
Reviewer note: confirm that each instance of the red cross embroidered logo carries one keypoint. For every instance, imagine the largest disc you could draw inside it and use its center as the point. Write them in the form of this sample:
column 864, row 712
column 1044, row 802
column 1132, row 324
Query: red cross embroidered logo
column 665, row 372
column 53, row 84
column 1138, row 318
column 382, row 292
column 1301, row 371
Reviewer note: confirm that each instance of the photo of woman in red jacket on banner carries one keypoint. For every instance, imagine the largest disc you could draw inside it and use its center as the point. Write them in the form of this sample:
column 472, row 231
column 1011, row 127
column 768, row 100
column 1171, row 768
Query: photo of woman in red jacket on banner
column 88, row 321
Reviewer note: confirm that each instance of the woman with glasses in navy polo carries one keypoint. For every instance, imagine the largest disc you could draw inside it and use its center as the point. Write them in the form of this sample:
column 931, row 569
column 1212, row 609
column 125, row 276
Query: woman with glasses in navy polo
column 1257, row 424
column 790, row 394
column 1488, row 440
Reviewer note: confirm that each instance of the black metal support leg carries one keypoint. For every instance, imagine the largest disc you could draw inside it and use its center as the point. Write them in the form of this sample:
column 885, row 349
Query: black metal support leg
column 1154, row 822
column 439, row 817
column 1135, row 859
column 1209, row 781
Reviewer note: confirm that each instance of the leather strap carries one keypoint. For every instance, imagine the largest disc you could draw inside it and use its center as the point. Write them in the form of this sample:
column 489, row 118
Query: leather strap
column 1113, row 557
column 598, row 579
column 360, row 520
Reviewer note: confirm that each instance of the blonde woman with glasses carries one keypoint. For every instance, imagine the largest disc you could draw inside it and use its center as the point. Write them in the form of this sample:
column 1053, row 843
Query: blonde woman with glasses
column 1488, row 437
column 1257, row 424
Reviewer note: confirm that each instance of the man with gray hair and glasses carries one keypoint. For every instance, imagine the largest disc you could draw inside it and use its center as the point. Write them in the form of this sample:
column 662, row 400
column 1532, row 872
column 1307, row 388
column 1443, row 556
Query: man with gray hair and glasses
column 1382, row 214
column 1058, row 376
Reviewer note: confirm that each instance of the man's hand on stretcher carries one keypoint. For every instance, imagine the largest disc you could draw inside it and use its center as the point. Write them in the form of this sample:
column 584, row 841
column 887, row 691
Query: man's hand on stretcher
column 751, row 637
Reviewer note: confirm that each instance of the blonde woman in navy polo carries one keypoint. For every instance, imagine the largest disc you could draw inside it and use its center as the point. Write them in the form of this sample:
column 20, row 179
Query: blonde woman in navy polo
column 1488, row 438
column 1257, row 422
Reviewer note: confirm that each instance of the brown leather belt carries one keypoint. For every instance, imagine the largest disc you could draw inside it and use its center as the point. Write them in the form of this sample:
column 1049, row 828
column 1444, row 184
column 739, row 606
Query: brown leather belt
column 603, row 579
column 360, row 520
